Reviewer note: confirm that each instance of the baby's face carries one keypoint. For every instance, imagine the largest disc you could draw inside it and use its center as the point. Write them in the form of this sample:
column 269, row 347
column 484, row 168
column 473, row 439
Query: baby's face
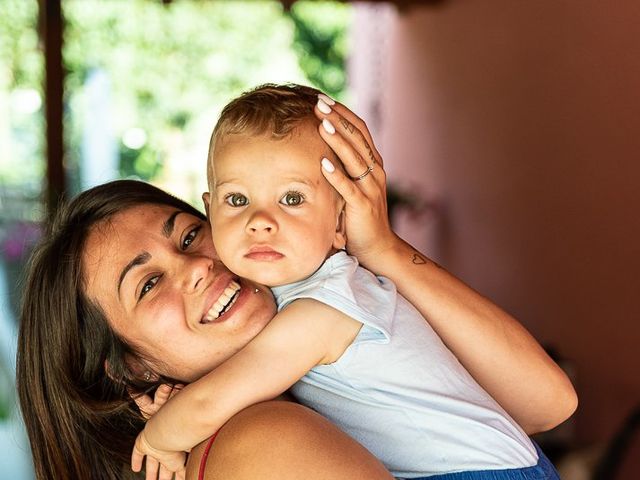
column 274, row 216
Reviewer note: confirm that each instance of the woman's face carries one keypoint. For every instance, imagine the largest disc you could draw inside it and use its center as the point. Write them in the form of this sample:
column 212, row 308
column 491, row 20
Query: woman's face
column 155, row 273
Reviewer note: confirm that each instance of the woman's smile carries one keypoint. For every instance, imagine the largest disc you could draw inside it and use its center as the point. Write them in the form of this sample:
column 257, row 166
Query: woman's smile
column 223, row 303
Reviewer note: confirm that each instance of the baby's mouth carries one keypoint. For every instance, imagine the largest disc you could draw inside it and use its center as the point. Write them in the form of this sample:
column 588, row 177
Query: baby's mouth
column 224, row 302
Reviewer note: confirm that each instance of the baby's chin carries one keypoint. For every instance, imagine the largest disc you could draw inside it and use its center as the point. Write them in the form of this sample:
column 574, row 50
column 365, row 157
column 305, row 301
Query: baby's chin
column 272, row 279
column 271, row 275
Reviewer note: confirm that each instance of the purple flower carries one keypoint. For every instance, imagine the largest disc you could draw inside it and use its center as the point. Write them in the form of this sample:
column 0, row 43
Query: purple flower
column 19, row 239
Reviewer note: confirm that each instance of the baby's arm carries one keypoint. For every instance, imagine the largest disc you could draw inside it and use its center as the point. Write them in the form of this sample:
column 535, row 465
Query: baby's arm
column 305, row 334
column 149, row 406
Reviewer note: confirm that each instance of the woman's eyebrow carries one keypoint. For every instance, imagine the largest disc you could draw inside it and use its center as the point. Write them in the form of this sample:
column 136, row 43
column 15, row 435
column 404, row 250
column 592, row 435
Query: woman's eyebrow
column 140, row 259
column 169, row 224
column 167, row 230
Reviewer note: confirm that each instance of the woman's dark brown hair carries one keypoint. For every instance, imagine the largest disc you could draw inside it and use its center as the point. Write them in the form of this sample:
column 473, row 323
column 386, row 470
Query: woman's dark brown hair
column 81, row 422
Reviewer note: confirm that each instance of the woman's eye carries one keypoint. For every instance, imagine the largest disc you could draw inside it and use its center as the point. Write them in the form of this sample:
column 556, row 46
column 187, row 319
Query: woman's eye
column 148, row 286
column 236, row 200
column 292, row 199
column 190, row 237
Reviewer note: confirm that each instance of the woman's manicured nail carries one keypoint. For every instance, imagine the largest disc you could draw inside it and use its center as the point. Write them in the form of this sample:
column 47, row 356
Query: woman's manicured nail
column 327, row 165
column 325, row 99
column 323, row 107
column 328, row 127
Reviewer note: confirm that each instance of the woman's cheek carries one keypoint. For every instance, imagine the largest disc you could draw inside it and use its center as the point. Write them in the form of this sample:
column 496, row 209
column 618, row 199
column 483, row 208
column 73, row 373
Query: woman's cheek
column 218, row 237
column 265, row 308
column 166, row 318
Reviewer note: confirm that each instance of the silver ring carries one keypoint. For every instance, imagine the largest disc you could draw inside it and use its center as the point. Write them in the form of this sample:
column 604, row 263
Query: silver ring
column 364, row 174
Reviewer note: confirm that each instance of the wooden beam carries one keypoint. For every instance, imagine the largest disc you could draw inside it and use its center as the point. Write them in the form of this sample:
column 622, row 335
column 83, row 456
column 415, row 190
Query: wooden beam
column 51, row 32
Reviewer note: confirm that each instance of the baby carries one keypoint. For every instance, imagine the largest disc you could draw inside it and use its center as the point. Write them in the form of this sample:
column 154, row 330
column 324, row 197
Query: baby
column 344, row 341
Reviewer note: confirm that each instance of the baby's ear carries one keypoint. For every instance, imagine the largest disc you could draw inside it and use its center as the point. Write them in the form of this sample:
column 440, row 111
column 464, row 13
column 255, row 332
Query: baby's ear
column 340, row 239
column 206, row 196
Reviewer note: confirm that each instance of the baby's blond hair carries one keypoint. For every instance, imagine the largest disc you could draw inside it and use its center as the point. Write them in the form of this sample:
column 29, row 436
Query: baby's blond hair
column 271, row 109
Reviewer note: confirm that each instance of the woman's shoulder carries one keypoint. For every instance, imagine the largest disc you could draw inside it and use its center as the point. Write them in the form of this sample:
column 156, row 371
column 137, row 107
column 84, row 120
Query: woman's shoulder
column 283, row 440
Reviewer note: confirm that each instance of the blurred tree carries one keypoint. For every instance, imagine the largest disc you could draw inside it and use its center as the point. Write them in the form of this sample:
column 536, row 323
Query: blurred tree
column 170, row 64
column 21, row 70
column 321, row 43
column 171, row 68
column 21, row 63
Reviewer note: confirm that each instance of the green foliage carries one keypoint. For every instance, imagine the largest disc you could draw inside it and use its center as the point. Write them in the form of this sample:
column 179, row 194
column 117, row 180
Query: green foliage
column 171, row 68
column 5, row 398
column 21, row 62
column 321, row 43
column 21, row 71
column 142, row 163
column 170, row 65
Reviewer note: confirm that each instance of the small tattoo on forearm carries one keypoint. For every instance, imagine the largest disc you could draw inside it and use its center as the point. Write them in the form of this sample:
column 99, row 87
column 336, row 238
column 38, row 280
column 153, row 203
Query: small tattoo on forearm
column 418, row 259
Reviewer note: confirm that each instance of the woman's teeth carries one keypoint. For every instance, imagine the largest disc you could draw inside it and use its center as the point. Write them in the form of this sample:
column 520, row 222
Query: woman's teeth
column 223, row 303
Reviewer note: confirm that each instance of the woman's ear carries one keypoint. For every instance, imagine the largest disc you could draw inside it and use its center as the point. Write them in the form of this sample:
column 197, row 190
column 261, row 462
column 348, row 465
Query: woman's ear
column 136, row 368
column 340, row 238
column 206, row 196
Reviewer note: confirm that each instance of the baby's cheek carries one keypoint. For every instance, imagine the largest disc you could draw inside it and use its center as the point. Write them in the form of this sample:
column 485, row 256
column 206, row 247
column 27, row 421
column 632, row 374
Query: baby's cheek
column 307, row 264
column 228, row 255
column 221, row 242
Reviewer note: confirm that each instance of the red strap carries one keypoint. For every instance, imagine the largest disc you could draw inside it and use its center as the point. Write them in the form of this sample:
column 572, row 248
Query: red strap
column 205, row 455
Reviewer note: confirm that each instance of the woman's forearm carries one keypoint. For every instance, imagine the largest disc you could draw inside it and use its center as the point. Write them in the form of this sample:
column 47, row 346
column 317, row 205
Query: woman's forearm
column 496, row 349
column 501, row 355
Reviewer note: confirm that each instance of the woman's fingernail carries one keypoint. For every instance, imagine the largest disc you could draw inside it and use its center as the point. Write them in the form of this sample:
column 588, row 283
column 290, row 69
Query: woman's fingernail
column 323, row 107
column 327, row 165
column 328, row 127
column 325, row 99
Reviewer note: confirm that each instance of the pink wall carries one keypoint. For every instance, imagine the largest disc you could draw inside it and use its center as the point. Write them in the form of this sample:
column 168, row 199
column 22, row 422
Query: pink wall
column 523, row 118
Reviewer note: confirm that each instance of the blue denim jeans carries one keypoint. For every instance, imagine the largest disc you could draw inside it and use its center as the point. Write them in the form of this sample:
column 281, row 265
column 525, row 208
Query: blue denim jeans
column 543, row 470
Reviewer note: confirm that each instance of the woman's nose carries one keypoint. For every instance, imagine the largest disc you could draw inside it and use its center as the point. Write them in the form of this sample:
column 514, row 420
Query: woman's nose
column 261, row 222
column 197, row 269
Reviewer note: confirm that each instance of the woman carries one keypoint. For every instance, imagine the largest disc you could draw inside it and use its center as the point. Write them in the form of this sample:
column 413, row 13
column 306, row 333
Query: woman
column 90, row 334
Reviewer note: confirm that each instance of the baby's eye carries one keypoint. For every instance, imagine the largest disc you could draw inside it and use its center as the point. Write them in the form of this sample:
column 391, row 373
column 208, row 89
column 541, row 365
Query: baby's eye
column 148, row 286
column 236, row 200
column 292, row 199
column 190, row 238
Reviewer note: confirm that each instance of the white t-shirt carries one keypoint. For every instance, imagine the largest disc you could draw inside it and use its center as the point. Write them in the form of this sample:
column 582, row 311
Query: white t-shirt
column 397, row 389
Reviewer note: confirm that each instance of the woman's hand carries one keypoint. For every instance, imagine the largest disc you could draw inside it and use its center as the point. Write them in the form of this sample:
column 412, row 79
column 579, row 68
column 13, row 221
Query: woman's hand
column 360, row 180
column 500, row 354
